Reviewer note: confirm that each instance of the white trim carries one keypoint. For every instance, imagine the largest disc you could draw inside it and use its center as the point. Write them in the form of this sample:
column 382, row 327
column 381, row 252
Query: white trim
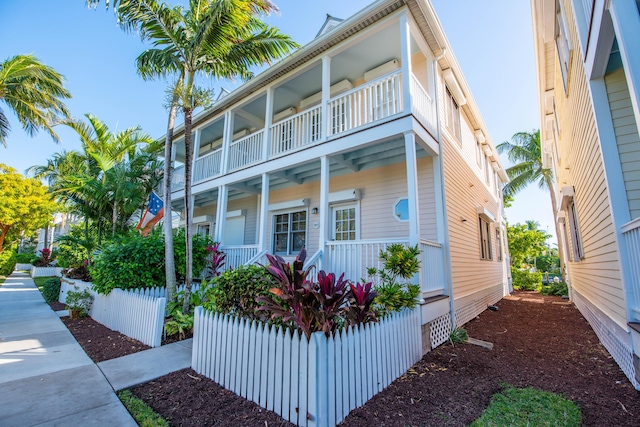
column 566, row 193
column 454, row 87
column 631, row 225
column 345, row 196
column 393, row 209
column 202, row 219
column 342, row 206
column 238, row 212
column 485, row 213
column 290, row 251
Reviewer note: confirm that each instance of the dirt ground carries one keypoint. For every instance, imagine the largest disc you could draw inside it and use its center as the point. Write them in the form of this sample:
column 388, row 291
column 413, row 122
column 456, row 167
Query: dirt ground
column 541, row 342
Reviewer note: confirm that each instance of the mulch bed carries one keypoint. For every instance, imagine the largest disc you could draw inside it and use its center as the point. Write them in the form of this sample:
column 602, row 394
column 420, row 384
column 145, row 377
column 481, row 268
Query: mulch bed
column 99, row 342
column 540, row 342
column 57, row 306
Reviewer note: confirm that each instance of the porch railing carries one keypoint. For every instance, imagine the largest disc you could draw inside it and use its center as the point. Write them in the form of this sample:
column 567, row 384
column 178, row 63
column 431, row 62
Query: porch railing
column 177, row 178
column 297, row 131
column 423, row 106
column 238, row 255
column 246, row 151
column 208, row 165
column 366, row 104
column 354, row 257
column 631, row 233
column 433, row 268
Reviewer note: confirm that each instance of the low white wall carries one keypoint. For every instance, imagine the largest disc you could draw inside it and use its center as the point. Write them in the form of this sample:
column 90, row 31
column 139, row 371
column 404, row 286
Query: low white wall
column 46, row 271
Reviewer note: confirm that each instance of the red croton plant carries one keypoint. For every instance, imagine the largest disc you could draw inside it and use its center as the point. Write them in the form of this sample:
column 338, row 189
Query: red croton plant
column 323, row 305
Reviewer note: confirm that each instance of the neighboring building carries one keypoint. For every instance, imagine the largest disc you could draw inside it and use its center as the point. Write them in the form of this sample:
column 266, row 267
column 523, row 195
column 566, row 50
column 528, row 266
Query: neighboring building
column 62, row 223
column 366, row 136
column 588, row 61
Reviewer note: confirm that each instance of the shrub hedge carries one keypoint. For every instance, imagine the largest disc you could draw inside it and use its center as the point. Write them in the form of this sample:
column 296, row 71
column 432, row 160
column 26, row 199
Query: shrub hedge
column 7, row 262
column 51, row 289
column 525, row 280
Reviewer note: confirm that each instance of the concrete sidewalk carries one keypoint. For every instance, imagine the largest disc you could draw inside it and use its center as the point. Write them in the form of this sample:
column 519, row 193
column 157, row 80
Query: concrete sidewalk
column 46, row 378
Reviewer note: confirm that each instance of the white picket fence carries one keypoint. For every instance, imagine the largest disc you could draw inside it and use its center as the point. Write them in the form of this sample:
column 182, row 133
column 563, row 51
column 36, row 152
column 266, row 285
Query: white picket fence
column 46, row 271
column 313, row 382
column 137, row 316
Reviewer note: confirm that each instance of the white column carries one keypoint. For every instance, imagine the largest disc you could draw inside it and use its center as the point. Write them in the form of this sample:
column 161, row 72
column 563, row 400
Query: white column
column 264, row 214
column 227, row 138
column 626, row 23
column 326, row 94
column 268, row 121
column 412, row 187
column 221, row 213
column 324, row 206
column 405, row 55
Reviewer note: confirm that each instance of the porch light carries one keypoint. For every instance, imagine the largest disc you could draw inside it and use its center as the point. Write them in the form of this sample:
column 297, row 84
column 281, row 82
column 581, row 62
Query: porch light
column 314, row 211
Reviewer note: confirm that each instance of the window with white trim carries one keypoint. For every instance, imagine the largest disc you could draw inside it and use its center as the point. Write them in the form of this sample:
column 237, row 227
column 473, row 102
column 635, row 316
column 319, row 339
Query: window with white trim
column 289, row 232
column 563, row 43
column 574, row 229
column 499, row 243
column 485, row 239
column 345, row 222
column 479, row 153
column 452, row 116
column 487, row 169
column 401, row 210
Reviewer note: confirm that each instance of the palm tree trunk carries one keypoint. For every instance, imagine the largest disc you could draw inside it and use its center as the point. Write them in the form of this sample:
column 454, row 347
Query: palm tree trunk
column 169, row 259
column 554, row 206
column 187, row 207
column 114, row 220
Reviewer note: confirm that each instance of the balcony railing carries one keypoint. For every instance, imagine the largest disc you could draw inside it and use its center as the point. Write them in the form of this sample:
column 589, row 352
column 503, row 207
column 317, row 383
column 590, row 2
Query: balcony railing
column 297, row 131
column 354, row 257
column 366, row 104
column 246, row 151
column 433, row 268
column 177, row 178
column 631, row 233
column 208, row 166
column 423, row 106
column 238, row 255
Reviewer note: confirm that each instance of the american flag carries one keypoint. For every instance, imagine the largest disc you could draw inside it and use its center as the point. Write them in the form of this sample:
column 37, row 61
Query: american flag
column 152, row 215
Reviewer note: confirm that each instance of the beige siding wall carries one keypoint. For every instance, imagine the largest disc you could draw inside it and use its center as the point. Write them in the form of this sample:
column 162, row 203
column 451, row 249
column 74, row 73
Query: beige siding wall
column 627, row 138
column 597, row 277
column 249, row 205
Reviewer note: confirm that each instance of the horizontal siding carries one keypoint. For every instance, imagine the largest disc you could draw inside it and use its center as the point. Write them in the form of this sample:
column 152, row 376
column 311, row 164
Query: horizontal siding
column 597, row 276
column 549, row 63
column 249, row 204
column 627, row 138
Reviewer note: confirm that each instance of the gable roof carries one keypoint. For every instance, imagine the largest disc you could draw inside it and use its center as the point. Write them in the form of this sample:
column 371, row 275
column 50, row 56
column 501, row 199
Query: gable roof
column 329, row 24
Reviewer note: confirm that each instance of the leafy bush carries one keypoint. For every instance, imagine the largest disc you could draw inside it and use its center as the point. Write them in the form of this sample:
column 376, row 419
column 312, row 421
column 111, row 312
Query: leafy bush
column 26, row 258
column 557, row 289
column 79, row 300
column 78, row 273
column 235, row 292
column 458, row 336
column 7, row 262
column 45, row 258
column 75, row 248
column 51, row 290
column 324, row 305
column 399, row 263
column 134, row 261
column 524, row 280
column 179, row 324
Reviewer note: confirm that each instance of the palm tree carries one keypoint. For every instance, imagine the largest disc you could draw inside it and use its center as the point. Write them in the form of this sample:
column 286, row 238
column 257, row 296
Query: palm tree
column 217, row 38
column 525, row 152
column 34, row 92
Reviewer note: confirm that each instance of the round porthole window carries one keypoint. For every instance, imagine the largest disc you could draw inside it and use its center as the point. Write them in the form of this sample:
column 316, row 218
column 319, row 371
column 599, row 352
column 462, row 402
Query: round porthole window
column 401, row 210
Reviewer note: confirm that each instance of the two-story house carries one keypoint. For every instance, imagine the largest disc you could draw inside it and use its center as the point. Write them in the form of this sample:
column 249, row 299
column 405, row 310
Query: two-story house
column 366, row 136
column 588, row 62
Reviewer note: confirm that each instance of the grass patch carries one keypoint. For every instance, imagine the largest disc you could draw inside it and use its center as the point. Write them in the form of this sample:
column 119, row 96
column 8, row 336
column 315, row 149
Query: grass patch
column 140, row 411
column 39, row 281
column 529, row 407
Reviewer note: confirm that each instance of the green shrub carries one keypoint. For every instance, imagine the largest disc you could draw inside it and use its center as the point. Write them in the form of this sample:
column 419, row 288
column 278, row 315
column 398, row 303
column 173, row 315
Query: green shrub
column 134, row 261
column 7, row 262
column 235, row 291
column 51, row 290
column 458, row 336
column 26, row 258
column 143, row 414
column 74, row 248
column 180, row 324
column 79, row 300
column 557, row 289
column 525, row 280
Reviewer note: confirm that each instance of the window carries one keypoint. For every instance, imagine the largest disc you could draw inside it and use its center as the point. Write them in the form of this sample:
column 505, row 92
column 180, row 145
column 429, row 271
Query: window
column 401, row 210
column 487, row 169
column 479, row 153
column 452, row 118
column 576, row 239
column 563, row 43
column 499, row 243
column 485, row 239
column 290, row 232
column 203, row 229
column 345, row 219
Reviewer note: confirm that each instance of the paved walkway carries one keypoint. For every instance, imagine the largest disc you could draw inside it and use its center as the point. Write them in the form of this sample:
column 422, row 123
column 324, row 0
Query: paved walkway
column 46, row 378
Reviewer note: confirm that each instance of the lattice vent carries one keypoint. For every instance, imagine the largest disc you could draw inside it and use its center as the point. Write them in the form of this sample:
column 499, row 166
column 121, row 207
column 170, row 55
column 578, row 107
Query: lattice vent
column 619, row 350
column 440, row 330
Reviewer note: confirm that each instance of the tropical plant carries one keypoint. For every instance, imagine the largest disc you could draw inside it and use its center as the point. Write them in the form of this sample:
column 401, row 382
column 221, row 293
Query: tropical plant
column 458, row 336
column 180, row 324
column 217, row 38
column 26, row 258
column 79, row 300
column 394, row 293
column 215, row 261
column 34, row 92
column 51, row 289
column 525, row 152
column 7, row 262
column 525, row 280
column 25, row 206
column 360, row 309
column 45, row 258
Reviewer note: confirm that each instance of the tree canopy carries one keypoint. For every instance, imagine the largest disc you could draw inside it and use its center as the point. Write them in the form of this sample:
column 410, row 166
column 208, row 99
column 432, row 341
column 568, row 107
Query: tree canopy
column 25, row 206
column 525, row 242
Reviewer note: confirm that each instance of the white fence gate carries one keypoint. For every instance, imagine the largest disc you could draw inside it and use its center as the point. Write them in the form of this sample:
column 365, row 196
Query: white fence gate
column 313, row 382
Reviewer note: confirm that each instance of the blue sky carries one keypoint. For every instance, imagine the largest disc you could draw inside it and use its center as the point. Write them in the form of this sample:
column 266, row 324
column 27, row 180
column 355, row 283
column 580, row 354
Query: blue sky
column 491, row 40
